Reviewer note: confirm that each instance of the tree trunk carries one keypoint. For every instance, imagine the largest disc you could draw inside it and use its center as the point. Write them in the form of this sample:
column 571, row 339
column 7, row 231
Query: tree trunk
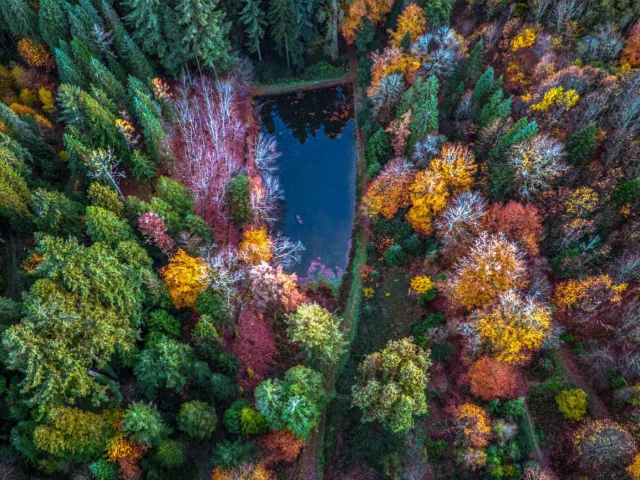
column 286, row 47
column 259, row 52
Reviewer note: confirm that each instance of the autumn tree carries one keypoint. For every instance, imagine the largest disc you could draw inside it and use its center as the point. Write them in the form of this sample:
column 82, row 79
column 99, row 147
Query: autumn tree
column 492, row 267
column 631, row 52
column 512, row 328
column 474, row 424
column 355, row 11
column 281, row 446
column 412, row 21
column 273, row 288
column 256, row 246
column 520, row 223
column 391, row 385
column 461, row 221
column 186, row 277
column 389, row 192
column 603, row 446
column 588, row 294
column 318, row 331
column 572, row 403
column 490, row 378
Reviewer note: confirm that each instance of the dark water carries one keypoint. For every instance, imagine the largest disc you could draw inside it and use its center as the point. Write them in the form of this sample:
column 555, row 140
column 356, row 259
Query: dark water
column 317, row 169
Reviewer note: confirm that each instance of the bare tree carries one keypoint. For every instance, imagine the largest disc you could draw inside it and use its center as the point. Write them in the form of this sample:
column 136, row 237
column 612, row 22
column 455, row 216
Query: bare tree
column 285, row 251
column 564, row 11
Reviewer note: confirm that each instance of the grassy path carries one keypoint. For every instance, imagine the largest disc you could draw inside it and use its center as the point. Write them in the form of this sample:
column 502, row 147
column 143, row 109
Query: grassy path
column 302, row 85
column 311, row 461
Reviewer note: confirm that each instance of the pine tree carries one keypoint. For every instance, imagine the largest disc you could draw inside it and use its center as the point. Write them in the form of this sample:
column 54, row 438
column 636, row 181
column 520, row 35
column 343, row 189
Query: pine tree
column 102, row 78
column 282, row 24
column 14, row 193
column 582, row 145
column 497, row 107
column 83, row 18
column 81, row 57
column 522, row 130
column 147, row 113
column 136, row 60
column 253, row 18
column 144, row 23
column 422, row 100
column 483, row 89
column 173, row 57
column 21, row 18
column 53, row 22
column 206, row 34
column 473, row 64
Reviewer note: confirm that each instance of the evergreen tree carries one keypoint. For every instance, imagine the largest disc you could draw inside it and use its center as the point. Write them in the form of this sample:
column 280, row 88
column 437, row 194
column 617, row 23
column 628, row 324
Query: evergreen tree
column 68, row 71
column 282, row 24
column 497, row 107
column 522, row 130
column 56, row 214
column 422, row 100
column 136, row 61
column 252, row 17
column 53, row 22
column 582, row 145
column 147, row 113
column 104, row 79
column 483, row 89
column 81, row 57
column 83, row 18
column 142, row 422
column 473, row 63
column 144, row 23
column 206, row 33
column 14, row 193
column 21, row 18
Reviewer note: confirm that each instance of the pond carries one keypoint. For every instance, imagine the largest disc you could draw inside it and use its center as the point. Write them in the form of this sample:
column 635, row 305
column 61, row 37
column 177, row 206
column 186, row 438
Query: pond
column 317, row 170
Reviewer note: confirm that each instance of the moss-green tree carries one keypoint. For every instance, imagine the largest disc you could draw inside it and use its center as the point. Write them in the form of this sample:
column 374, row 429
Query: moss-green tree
column 318, row 332
column 581, row 145
column 197, row 419
column 142, row 422
column 252, row 17
column 238, row 197
column 391, row 385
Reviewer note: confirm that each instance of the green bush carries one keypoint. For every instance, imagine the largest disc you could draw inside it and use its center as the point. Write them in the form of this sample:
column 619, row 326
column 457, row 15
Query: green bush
column 394, row 255
column 238, row 196
column 161, row 321
column 103, row 470
column 171, row 454
column 322, row 71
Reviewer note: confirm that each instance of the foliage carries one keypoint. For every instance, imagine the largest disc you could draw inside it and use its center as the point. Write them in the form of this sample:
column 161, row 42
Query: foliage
column 587, row 294
column 186, row 277
column 355, row 12
column 171, row 453
column 519, row 223
column 572, row 403
column 391, row 385
column 143, row 423
column 412, row 21
column 490, row 378
column 197, row 419
column 238, row 194
column 422, row 284
column 256, row 246
column 493, row 266
column 389, row 192
column 603, row 445
column 474, row 424
column 318, row 331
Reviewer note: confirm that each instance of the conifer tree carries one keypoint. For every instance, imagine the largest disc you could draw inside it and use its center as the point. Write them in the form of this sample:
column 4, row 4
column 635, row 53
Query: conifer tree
column 21, row 18
column 102, row 78
column 144, row 23
column 147, row 114
column 83, row 18
column 14, row 193
column 484, row 88
column 581, row 146
column 422, row 100
column 206, row 33
column 282, row 24
column 68, row 71
column 252, row 17
column 81, row 57
column 473, row 63
column 497, row 107
column 53, row 22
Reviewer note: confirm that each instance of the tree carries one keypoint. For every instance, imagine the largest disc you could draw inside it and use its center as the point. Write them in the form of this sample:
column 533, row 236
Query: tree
column 449, row 174
column 253, row 18
column 389, row 192
column 587, row 294
column 294, row 402
column 603, row 446
column 355, row 12
column 519, row 223
column 536, row 162
column 490, row 379
column 281, row 447
column 21, row 18
column 631, row 52
column 102, row 78
column 197, row 419
column 273, row 288
column 513, row 328
column 171, row 453
column 474, row 424
column 282, row 24
column 165, row 363
column 422, row 99
column 143, row 423
column 256, row 246
column 53, row 22
column 411, row 21
column 391, row 385
column 154, row 229
column 105, row 226
column 492, row 267
column 238, row 196
column 144, row 22
column 56, row 214
column 70, row 433
column 572, row 403
column 206, row 33
column 318, row 330
column 15, row 198
column 186, row 277
column 84, row 305
column 461, row 221
column 582, row 145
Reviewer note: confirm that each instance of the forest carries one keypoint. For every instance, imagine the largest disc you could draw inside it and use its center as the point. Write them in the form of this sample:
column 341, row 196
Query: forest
column 485, row 323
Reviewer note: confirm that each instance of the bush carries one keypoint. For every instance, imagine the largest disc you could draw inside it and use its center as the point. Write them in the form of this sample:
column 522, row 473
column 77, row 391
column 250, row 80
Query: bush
column 572, row 403
column 394, row 255
column 143, row 423
column 161, row 321
column 238, row 196
column 197, row 419
column 322, row 71
column 103, row 470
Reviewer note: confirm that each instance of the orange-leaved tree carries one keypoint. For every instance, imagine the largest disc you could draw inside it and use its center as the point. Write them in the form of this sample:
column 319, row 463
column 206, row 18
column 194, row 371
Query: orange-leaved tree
column 490, row 378
column 392, row 60
column 493, row 266
column 357, row 10
column 446, row 176
column 411, row 21
column 186, row 277
column 389, row 192
column 519, row 223
column 474, row 423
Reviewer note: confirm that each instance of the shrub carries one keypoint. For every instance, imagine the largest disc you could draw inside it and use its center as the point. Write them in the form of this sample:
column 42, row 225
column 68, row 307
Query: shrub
column 238, row 196
column 572, row 403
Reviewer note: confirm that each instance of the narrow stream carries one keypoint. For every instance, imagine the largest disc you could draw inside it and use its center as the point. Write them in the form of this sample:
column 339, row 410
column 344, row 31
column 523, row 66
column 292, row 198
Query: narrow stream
column 317, row 169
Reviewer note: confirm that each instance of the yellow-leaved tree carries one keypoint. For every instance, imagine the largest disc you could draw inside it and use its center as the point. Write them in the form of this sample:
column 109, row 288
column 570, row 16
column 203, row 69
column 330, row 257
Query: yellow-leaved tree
column 256, row 246
column 446, row 176
column 411, row 21
column 186, row 277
